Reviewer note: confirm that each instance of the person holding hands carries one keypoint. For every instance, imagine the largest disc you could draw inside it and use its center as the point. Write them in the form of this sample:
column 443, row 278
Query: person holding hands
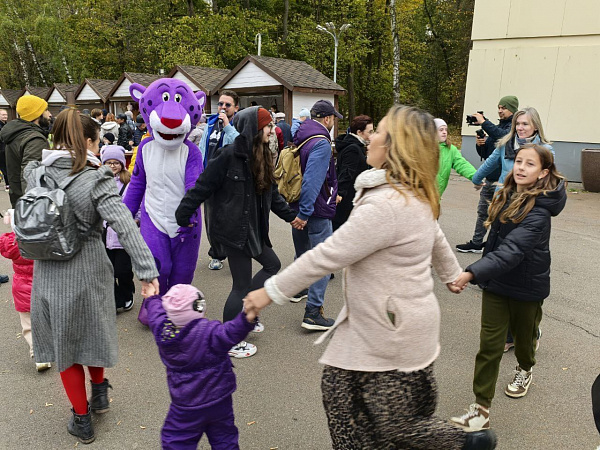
column 515, row 275
column 374, row 397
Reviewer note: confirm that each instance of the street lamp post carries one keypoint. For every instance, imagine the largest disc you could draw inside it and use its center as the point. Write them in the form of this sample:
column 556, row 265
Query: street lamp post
column 329, row 28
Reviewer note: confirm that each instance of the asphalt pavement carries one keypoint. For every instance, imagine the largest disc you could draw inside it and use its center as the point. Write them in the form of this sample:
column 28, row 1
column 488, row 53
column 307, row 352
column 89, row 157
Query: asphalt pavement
column 278, row 401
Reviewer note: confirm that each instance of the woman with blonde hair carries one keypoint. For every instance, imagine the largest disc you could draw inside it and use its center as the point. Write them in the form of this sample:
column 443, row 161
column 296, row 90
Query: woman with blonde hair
column 526, row 128
column 375, row 397
column 73, row 308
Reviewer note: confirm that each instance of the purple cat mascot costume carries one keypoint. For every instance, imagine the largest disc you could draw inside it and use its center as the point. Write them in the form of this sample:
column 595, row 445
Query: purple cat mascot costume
column 167, row 165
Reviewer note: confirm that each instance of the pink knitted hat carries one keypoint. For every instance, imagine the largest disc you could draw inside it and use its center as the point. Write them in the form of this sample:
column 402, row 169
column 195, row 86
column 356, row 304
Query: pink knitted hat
column 180, row 302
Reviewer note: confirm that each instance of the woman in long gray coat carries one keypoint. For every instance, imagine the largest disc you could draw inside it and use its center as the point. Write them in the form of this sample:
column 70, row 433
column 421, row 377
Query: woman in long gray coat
column 73, row 307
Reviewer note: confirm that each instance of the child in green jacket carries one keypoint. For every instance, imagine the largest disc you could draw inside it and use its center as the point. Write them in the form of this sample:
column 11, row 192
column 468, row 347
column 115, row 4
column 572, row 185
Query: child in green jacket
column 450, row 158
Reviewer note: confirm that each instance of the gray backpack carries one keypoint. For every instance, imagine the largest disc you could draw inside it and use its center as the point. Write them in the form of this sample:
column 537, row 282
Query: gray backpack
column 44, row 222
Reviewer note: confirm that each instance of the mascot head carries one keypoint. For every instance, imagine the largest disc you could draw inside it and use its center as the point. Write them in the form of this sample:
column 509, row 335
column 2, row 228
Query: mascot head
column 170, row 109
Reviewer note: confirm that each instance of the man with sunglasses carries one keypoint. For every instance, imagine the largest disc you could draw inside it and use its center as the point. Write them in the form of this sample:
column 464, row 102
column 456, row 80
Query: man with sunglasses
column 218, row 133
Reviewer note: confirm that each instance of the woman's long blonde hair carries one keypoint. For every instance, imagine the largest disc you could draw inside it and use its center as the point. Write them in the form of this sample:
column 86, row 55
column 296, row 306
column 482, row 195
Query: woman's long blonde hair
column 413, row 153
column 536, row 121
column 521, row 203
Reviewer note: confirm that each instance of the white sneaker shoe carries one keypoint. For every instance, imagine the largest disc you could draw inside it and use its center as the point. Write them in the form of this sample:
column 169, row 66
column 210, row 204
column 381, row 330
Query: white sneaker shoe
column 477, row 418
column 519, row 386
column 215, row 264
column 40, row 367
column 258, row 327
column 242, row 350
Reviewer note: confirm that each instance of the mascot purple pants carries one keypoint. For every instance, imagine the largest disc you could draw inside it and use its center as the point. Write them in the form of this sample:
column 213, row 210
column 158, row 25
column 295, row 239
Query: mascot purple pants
column 167, row 165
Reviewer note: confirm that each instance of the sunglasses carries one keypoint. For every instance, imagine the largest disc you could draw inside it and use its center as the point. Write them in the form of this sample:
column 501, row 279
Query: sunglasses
column 226, row 105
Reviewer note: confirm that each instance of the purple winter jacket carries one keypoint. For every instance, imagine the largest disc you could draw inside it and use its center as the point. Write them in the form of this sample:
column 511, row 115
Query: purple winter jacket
column 324, row 203
column 199, row 370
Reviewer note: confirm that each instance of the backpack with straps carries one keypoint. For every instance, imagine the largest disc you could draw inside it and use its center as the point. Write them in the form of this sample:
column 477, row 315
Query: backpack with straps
column 44, row 222
column 288, row 172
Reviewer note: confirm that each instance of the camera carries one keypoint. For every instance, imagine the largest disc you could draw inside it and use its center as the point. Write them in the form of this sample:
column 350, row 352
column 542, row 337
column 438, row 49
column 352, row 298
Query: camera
column 480, row 133
column 472, row 120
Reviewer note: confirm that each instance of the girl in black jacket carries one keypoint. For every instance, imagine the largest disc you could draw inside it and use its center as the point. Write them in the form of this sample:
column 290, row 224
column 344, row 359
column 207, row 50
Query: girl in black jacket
column 515, row 275
column 240, row 178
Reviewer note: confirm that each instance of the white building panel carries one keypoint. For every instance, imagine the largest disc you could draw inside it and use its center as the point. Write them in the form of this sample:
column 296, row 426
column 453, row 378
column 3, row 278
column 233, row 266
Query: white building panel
column 305, row 100
column 251, row 76
column 3, row 101
column 87, row 93
column 179, row 76
column 55, row 97
column 123, row 89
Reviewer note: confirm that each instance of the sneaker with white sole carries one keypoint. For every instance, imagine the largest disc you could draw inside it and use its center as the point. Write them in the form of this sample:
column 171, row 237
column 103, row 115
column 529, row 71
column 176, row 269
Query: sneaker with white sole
column 40, row 367
column 315, row 320
column 519, row 386
column 508, row 346
column 299, row 297
column 477, row 418
column 129, row 305
column 215, row 264
column 258, row 327
column 470, row 247
column 537, row 341
column 242, row 350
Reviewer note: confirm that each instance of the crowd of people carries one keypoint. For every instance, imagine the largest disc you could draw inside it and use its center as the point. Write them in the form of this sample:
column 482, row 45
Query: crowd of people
column 370, row 208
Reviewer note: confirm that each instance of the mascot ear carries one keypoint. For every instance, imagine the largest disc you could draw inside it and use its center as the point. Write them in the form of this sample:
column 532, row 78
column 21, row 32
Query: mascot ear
column 136, row 90
column 201, row 96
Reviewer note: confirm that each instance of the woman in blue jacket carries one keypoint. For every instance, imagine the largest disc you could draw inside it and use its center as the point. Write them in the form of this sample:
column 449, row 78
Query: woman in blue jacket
column 526, row 129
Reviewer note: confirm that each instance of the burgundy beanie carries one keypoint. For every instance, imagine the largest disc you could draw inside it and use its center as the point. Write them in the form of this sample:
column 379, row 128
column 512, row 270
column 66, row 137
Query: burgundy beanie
column 264, row 118
column 178, row 303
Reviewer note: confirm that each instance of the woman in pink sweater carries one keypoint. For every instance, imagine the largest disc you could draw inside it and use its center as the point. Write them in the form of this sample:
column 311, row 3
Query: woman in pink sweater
column 380, row 391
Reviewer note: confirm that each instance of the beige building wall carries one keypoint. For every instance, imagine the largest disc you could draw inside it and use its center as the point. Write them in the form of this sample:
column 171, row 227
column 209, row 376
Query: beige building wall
column 547, row 53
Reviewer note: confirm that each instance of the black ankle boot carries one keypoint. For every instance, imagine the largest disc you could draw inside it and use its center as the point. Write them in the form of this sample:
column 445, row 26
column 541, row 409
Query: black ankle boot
column 80, row 425
column 481, row 440
column 99, row 401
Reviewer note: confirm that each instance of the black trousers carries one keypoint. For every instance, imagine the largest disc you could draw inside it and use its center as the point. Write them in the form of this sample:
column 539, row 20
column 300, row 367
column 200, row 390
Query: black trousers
column 124, row 287
column 240, row 265
column 385, row 410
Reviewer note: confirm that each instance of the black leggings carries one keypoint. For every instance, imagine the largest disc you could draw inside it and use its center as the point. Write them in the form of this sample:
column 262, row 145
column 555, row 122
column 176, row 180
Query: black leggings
column 124, row 287
column 240, row 265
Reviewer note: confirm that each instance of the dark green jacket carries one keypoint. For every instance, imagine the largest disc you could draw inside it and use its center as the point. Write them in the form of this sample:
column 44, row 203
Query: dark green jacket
column 24, row 143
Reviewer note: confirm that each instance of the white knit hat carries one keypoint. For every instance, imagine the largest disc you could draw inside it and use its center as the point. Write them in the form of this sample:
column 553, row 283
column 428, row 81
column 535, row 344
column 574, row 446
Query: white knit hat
column 440, row 123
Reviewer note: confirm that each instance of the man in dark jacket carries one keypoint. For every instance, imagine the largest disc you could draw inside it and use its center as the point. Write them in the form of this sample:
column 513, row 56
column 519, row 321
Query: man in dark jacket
column 351, row 162
column 125, row 138
column 507, row 106
column 316, row 207
column 24, row 139
column 140, row 130
column 284, row 127
column 3, row 120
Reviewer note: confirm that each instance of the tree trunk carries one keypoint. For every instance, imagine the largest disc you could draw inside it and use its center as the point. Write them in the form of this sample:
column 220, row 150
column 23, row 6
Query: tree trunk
column 351, row 101
column 286, row 13
column 69, row 77
column 396, row 53
column 190, row 8
column 21, row 62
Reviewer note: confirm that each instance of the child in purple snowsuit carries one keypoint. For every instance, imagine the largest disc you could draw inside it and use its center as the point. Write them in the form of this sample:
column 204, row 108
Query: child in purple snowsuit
column 199, row 372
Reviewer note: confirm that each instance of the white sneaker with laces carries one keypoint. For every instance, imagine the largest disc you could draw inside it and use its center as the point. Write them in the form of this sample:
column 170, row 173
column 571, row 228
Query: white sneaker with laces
column 519, row 386
column 477, row 418
column 258, row 327
column 242, row 350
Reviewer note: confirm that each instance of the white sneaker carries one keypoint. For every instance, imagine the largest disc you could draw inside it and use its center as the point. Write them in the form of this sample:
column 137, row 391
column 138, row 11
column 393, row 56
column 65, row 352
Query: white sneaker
column 477, row 418
column 258, row 327
column 519, row 386
column 215, row 264
column 40, row 367
column 242, row 350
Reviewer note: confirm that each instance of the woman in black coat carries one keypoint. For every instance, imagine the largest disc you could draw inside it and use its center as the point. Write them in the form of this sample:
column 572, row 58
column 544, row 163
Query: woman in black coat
column 351, row 161
column 240, row 179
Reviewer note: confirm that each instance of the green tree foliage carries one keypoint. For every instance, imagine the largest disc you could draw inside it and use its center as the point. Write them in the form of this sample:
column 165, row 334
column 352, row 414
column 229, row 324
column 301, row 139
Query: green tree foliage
column 51, row 41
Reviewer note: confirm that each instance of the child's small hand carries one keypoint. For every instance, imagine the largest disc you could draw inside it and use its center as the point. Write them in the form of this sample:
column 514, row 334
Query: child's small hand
column 254, row 302
column 462, row 280
column 150, row 288
column 453, row 289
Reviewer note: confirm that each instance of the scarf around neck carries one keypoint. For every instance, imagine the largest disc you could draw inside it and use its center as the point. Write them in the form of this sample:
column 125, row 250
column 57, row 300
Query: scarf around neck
column 510, row 151
column 50, row 156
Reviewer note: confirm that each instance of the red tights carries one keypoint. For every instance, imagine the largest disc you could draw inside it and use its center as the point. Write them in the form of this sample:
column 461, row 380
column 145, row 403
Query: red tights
column 73, row 380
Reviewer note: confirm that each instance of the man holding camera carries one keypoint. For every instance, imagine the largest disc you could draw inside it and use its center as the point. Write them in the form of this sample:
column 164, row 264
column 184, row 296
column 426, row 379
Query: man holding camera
column 507, row 106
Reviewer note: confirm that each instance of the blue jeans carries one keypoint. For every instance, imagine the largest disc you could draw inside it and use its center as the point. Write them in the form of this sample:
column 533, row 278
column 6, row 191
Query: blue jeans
column 316, row 231
column 486, row 194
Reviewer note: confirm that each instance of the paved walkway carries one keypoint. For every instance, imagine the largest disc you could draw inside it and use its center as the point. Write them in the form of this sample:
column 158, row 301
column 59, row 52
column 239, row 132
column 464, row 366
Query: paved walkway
column 278, row 403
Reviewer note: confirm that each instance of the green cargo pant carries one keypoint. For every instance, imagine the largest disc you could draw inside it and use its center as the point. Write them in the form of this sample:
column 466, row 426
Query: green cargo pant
column 498, row 312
